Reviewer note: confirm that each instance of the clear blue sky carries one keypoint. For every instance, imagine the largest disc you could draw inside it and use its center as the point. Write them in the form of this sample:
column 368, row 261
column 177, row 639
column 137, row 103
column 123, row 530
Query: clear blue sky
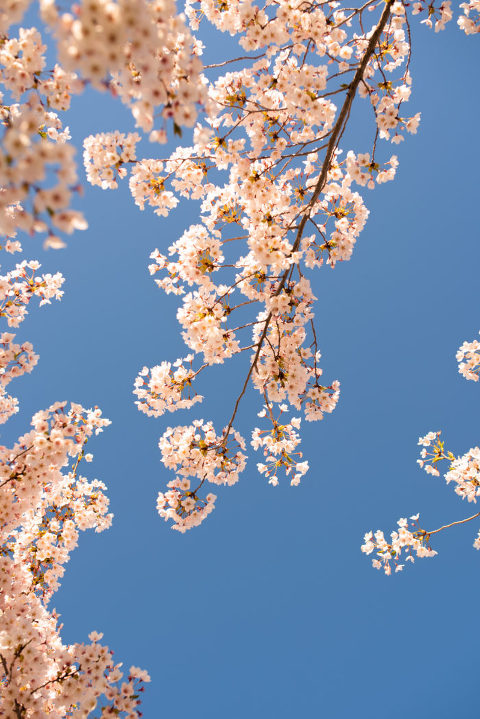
column 269, row 609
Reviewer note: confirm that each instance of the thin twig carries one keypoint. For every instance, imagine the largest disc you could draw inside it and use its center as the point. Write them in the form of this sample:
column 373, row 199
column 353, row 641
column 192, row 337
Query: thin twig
column 460, row 521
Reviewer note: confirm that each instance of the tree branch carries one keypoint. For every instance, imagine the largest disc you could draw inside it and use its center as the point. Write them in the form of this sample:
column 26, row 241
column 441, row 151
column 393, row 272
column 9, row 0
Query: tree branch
column 331, row 147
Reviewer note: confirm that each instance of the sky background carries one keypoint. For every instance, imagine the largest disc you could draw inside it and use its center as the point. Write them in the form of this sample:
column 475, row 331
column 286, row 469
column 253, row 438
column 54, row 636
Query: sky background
column 269, row 609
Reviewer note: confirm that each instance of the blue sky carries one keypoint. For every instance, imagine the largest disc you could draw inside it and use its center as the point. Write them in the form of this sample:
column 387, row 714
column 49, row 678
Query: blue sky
column 269, row 609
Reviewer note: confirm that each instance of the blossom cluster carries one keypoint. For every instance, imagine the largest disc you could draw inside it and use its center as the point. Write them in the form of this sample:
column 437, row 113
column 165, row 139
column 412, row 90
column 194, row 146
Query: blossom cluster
column 166, row 387
column 468, row 358
column 184, row 506
column 139, row 49
column 19, row 286
column 34, row 146
column 278, row 446
column 464, row 471
column 49, row 505
column 275, row 188
column 15, row 360
column 409, row 538
column 468, row 21
column 105, row 154
column 197, row 452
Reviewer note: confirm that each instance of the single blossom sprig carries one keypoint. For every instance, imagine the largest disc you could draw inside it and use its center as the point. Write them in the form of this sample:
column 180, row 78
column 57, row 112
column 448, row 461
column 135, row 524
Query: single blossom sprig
column 19, row 286
column 278, row 445
column 409, row 538
column 433, row 451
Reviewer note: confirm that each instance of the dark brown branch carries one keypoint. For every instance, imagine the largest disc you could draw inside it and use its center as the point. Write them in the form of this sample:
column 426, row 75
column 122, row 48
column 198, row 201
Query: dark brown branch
column 337, row 132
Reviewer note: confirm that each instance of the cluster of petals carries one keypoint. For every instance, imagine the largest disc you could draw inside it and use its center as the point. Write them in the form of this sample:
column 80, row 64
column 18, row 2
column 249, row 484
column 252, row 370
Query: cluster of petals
column 23, row 283
column 17, row 288
column 203, row 317
column 197, row 451
column 319, row 400
column 44, row 503
column 33, row 485
column 34, row 143
column 11, row 12
column 198, row 255
column 438, row 17
column 105, row 154
column 364, row 170
column 44, row 500
column 464, row 472
column 32, row 146
column 15, row 360
column 432, row 452
column 166, row 387
column 44, row 677
column 469, row 22
column 476, row 543
column 468, row 358
column 183, row 505
column 147, row 186
column 139, row 49
column 278, row 445
column 409, row 538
